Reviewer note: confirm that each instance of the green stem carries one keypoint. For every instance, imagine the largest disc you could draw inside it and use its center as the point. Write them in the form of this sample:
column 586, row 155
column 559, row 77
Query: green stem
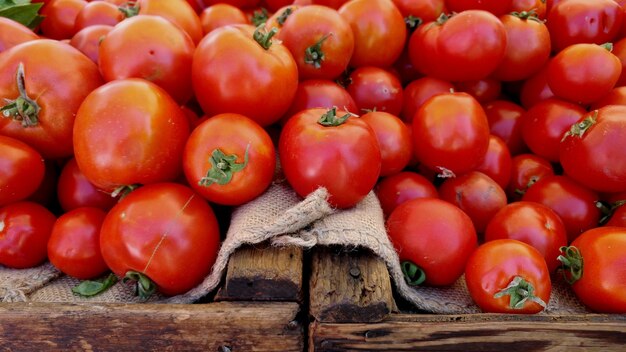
column 264, row 38
column 572, row 264
column 608, row 46
column 143, row 286
column 520, row 291
column 123, row 191
column 223, row 167
column 579, row 128
column 412, row 22
column 413, row 274
column 283, row 16
column 259, row 17
column 330, row 119
column 22, row 108
column 314, row 55
column 129, row 9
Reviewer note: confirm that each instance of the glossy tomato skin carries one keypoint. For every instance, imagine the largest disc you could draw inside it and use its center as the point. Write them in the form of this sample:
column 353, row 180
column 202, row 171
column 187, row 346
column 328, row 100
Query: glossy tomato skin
column 88, row 39
column 497, row 162
column 619, row 50
column 497, row 7
column 374, row 88
column 165, row 231
column 428, row 10
column 618, row 218
column 220, row 15
column 22, row 170
column 418, row 91
column 532, row 223
column 98, row 13
column 231, row 72
column 536, row 88
column 13, row 33
column 401, row 187
column 450, row 131
column 594, row 155
column 538, row 6
column 505, row 121
column 526, row 169
column 483, row 90
column 394, row 140
column 435, row 235
column 74, row 245
column 59, row 77
column 75, row 191
column 319, row 93
column 232, row 134
column 601, row 286
column 495, row 264
column 60, row 17
column 25, row 228
column 617, row 96
column 178, row 12
column 114, row 147
column 344, row 159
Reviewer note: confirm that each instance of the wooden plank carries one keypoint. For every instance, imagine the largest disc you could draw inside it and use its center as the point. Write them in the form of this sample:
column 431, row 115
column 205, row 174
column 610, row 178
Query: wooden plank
column 263, row 274
column 349, row 286
column 225, row 326
column 481, row 332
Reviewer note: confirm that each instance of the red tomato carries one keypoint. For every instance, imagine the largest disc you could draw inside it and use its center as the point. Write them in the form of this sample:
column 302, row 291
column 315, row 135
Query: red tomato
column 401, row 187
column 417, row 92
column 53, row 81
column 394, row 140
column 526, row 169
column 13, row 33
column 428, row 10
column 74, row 245
column 21, row 170
column 75, row 191
column 178, row 12
column 508, row 276
column 433, row 238
column 229, row 159
column 265, row 76
column 537, row 6
column 575, row 204
column 335, row 4
column 378, row 27
column 242, row 4
column 377, row 89
column 536, row 89
column 592, row 151
column 619, row 50
column 505, row 121
column 450, row 131
column 143, row 145
column 617, row 96
column 350, row 164
column 618, row 216
column 98, row 13
column 497, row 7
column 88, row 40
column 497, row 162
column 24, row 229
column 164, row 232
column 532, row 223
column 483, row 90
column 319, row 93
column 544, row 125
column 594, row 263
column 275, row 5
column 465, row 47
column 220, row 15
column 59, row 18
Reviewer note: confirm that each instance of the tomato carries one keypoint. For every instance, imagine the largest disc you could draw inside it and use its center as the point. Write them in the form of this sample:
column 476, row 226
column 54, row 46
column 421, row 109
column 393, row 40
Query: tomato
column 335, row 4
column 526, row 169
column 537, row 6
column 377, row 89
column 242, row 4
column 98, row 13
column 527, row 47
column 220, row 15
column 394, row 140
column 594, row 264
column 278, row 18
column 544, row 125
column 618, row 215
column 583, row 73
column 42, row 84
column 592, row 151
column 13, row 33
column 401, row 187
column 319, row 93
column 508, row 276
column 465, row 47
column 619, row 50
column 497, row 7
column 505, row 121
column 275, row 5
column 426, row 11
column 483, row 90
column 24, row 231
column 378, row 27
column 582, row 21
column 229, row 159
column 331, row 149
column 143, row 145
column 74, row 245
column 497, row 162
column 88, row 40
column 265, row 72
column 178, row 12
column 575, row 204
column 21, row 170
column 450, row 132
column 617, row 96
column 532, row 223
column 75, row 191
column 433, row 239
column 536, row 89
column 164, row 232
column 320, row 41
column 59, row 18
column 417, row 92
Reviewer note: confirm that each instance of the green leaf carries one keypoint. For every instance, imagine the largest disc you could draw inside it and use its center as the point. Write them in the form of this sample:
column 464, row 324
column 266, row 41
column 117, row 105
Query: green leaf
column 22, row 12
column 89, row 288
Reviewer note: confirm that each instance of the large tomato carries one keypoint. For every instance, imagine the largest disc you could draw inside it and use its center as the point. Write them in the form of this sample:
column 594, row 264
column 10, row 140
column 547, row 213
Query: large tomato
column 98, row 13
column 21, row 170
column 60, row 17
column 75, row 191
column 42, row 84
column 13, row 33
column 331, row 149
column 433, row 238
column 394, row 140
column 239, row 70
column 401, row 187
column 128, row 132
column 426, row 10
column 164, row 232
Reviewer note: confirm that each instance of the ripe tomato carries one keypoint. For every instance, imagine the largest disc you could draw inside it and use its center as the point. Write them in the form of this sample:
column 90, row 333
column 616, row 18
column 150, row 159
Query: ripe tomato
column 24, row 231
column 74, row 245
column 378, row 27
column 143, row 145
column 59, row 18
column 497, row 7
column 97, row 13
column 465, row 47
column 426, row 11
column 394, row 140
column 508, row 276
column 401, row 187
column 617, row 96
column 75, row 191
column 164, row 232
column 220, row 15
column 483, row 90
column 229, row 159
column 592, row 151
column 537, row 6
column 42, row 84
column 526, row 169
column 88, row 40
column 178, row 12
column 13, row 33
column 536, row 89
column 618, row 215
column 265, row 72
column 505, row 121
column 594, row 264
column 532, row 223
column 450, row 131
column 417, row 92
column 349, row 165
column 619, row 50
column 319, row 93
column 21, row 172
column 497, row 162
column 376, row 89
column 242, row 4
column 433, row 238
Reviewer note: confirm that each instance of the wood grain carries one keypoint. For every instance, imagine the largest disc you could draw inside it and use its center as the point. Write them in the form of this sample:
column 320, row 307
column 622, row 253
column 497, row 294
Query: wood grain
column 349, row 286
column 224, row 326
column 481, row 332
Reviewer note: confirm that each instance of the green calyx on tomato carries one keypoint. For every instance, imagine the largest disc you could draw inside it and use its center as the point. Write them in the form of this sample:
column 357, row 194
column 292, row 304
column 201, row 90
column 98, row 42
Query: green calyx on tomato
column 578, row 129
column 22, row 108
column 314, row 55
column 129, row 9
column 531, row 181
column 143, row 286
column 413, row 274
column 520, row 292
column 89, row 288
column 527, row 15
column 223, row 167
column 572, row 264
column 259, row 17
column 608, row 46
column 123, row 191
column 607, row 209
column 283, row 16
column 264, row 38
column 412, row 22
column 330, row 119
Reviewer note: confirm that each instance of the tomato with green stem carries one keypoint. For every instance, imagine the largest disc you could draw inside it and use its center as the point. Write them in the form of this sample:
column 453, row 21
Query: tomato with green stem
column 426, row 11
column 22, row 170
column 526, row 169
column 60, row 17
column 319, row 93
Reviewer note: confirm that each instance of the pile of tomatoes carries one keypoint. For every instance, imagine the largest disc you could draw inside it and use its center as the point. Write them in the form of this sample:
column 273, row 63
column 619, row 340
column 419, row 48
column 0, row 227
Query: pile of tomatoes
column 493, row 132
